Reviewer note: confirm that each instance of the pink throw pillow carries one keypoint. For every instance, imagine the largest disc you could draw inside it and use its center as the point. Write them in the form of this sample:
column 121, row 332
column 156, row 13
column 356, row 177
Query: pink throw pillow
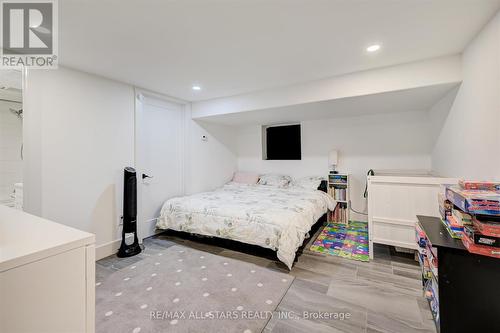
column 245, row 177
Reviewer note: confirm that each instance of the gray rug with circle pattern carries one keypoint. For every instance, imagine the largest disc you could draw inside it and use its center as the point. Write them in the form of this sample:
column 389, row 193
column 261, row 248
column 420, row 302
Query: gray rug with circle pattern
column 185, row 290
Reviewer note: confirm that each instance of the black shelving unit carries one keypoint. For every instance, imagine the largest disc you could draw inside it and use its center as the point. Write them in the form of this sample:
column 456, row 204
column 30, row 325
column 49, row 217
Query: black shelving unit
column 468, row 284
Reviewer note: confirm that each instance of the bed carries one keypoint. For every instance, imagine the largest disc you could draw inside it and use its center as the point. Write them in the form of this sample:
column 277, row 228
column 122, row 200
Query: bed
column 270, row 217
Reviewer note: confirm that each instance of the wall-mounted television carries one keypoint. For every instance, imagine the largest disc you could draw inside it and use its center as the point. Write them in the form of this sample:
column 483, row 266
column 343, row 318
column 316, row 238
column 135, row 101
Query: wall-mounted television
column 281, row 142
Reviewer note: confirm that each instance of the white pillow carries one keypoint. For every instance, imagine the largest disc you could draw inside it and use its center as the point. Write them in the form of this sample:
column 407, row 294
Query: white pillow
column 274, row 180
column 310, row 182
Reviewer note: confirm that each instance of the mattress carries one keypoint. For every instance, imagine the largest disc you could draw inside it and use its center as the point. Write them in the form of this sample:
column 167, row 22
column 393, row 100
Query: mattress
column 271, row 217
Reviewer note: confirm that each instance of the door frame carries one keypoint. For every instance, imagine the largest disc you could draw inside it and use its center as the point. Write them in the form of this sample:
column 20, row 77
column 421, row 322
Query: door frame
column 139, row 97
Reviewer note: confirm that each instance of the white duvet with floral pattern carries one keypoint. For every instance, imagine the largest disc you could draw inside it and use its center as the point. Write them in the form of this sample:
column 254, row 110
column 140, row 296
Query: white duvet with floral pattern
column 271, row 217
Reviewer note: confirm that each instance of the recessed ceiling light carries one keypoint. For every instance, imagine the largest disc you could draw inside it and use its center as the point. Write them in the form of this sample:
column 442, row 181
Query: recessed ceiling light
column 196, row 88
column 373, row 48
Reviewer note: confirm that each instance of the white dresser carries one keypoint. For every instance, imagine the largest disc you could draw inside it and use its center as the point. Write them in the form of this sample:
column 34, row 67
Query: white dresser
column 394, row 203
column 47, row 275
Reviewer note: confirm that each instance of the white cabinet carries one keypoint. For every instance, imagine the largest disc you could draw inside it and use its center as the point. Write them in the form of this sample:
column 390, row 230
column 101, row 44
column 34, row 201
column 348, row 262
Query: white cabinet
column 394, row 203
column 47, row 275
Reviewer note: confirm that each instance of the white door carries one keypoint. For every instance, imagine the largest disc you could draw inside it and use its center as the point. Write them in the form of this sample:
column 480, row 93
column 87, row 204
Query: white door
column 159, row 158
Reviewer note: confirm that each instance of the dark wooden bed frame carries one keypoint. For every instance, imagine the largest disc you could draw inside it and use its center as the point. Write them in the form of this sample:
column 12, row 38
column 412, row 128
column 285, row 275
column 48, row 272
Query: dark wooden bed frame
column 249, row 248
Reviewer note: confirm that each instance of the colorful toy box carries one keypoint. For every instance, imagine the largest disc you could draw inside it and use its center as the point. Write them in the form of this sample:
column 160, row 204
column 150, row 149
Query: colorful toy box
column 474, row 201
column 480, row 249
column 454, row 231
column 445, row 206
column 488, row 228
column 477, row 185
column 481, row 239
column 460, row 217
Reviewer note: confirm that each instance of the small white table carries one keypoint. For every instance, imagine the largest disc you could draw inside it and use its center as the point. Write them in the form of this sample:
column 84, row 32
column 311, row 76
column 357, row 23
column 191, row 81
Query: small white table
column 47, row 275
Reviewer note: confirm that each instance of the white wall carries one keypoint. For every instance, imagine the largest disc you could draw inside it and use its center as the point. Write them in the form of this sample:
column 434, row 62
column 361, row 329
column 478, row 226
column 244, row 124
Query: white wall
column 11, row 139
column 384, row 141
column 468, row 143
column 210, row 163
column 81, row 135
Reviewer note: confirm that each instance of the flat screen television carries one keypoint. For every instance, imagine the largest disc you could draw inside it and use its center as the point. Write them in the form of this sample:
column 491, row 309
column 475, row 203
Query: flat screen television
column 283, row 142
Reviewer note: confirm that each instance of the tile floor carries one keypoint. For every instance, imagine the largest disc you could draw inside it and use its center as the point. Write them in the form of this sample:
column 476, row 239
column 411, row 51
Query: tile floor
column 383, row 295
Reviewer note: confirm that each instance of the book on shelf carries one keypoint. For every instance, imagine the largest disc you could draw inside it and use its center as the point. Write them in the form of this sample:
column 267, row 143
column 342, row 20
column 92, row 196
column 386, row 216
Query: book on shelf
column 337, row 178
column 339, row 215
column 338, row 193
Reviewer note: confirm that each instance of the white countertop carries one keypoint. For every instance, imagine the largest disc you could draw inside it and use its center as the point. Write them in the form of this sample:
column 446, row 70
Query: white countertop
column 25, row 238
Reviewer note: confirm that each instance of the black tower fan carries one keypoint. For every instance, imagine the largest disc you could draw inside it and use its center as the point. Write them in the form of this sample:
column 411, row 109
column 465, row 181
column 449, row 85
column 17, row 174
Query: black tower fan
column 129, row 214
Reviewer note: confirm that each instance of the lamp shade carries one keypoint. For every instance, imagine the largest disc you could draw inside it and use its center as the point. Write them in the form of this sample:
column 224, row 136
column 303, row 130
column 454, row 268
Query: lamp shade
column 333, row 157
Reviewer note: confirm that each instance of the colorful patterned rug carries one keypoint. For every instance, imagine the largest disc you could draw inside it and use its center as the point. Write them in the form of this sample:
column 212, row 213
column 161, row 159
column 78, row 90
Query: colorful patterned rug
column 347, row 242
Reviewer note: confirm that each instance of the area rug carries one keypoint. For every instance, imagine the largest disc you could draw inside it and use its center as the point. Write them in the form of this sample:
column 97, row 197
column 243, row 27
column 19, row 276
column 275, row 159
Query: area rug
column 349, row 242
column 185, row 290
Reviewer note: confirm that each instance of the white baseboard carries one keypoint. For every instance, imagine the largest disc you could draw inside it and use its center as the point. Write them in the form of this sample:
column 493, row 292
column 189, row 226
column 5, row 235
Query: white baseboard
column 107, row 249
column 358, row 217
